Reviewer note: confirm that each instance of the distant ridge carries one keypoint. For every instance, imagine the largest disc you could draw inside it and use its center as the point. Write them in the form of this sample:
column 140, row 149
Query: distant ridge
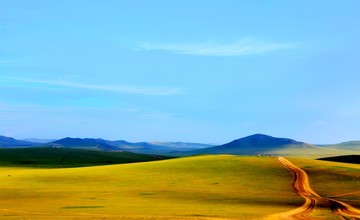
column 349, row 145
column 86, row 143
column 11, row 142
column 165, row 148
column 40, row 141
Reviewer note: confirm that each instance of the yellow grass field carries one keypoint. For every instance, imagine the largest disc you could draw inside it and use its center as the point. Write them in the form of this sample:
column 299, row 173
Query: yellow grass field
column 189, row 188
column 202, row 187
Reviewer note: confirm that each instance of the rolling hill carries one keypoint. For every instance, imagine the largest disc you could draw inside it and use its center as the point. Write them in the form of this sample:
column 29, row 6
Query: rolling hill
column 349, row 145
column 67, row 157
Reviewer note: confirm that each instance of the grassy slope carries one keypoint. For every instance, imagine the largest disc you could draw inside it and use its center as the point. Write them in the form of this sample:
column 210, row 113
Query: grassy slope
column 333, row 179
column 290, row 150
column 187, row 188
column 66, row 157
column 350, row 145
column 311, row 152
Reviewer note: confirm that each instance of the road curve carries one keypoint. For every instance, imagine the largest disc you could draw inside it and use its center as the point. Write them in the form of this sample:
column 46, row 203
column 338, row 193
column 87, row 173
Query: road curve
column 302, row 187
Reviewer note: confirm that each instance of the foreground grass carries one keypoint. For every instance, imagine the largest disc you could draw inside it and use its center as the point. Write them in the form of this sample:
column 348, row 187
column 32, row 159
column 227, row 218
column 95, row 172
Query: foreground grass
column 203, row 187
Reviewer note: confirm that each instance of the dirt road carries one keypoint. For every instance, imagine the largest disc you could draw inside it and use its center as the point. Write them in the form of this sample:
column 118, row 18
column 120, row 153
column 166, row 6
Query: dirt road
column 302, row 187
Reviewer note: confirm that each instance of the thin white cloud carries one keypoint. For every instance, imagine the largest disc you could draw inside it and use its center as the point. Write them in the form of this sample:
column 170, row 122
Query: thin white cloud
column 108, row 88
column 245, row 46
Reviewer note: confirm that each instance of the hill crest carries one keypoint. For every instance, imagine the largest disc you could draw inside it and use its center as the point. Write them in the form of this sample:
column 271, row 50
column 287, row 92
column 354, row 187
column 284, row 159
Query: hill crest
column 262, row 140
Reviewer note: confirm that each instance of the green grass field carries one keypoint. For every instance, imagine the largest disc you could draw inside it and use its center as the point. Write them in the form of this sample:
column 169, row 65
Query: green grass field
column 194, row 188
column 67, row 157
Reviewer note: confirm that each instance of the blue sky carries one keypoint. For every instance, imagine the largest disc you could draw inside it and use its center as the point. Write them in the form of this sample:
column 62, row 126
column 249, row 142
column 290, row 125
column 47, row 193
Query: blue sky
column 200, row 71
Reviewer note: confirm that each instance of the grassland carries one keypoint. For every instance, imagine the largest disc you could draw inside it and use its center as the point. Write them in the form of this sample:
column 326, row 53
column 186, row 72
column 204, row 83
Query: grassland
column 201, row 187
column 67, row 157
column 204, row 187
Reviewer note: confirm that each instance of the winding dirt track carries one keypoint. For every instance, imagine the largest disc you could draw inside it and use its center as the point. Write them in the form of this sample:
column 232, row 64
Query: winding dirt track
column 302, row 187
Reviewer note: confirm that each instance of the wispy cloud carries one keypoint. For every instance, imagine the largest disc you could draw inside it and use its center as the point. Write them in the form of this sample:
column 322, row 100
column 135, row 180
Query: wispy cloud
column 245, row 46
column 108, row 88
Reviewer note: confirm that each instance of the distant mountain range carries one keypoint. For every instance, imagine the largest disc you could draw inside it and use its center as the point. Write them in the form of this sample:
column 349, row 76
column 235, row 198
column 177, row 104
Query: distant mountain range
column 121, row 145
column 104, row 145
column 86, row 143
column 250, row 145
